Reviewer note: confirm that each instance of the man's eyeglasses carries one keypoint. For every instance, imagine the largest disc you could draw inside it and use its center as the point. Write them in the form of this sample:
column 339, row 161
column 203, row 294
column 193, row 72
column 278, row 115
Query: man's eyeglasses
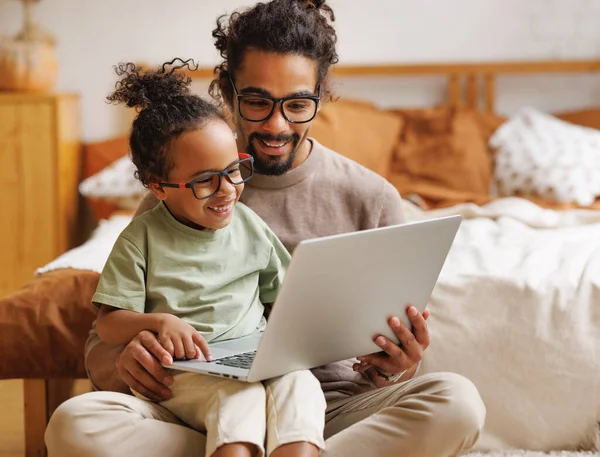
column 259, row 108
column 208, row 184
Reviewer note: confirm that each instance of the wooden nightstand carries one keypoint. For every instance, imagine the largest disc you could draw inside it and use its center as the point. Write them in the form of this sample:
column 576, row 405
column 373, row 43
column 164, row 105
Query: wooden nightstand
column 40, row 165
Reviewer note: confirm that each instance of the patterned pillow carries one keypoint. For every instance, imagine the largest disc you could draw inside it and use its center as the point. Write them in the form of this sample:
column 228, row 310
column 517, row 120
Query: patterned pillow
column 115, row 184
column 539, row 155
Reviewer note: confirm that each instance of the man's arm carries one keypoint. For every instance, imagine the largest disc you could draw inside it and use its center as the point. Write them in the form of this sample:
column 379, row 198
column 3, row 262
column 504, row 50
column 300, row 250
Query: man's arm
column 136, row 366
column 100, row 362
column 392, row 208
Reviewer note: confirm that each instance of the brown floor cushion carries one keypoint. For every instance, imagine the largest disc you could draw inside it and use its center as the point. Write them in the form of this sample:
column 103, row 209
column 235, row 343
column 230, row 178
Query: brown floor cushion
column 44, row 326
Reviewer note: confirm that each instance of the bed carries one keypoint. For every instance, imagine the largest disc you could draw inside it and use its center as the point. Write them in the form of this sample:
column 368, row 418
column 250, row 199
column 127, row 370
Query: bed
column 517, row 306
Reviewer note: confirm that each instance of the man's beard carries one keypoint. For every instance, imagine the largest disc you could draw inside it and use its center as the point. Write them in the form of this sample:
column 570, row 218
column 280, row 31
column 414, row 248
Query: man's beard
column 273, row 165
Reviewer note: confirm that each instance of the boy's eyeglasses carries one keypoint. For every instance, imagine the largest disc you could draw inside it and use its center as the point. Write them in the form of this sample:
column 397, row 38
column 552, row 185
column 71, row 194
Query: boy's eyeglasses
column 208, row 184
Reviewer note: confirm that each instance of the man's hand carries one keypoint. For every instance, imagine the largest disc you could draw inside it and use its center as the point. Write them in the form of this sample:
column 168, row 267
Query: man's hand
column 396, row 358
column 139, row 366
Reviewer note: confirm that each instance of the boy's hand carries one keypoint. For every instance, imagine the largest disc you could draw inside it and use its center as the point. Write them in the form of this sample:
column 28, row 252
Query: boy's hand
column 180, row 339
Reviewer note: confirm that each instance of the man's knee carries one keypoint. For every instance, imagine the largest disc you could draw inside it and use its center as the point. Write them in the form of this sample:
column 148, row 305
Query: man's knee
column 63, row 435
column 460, row 407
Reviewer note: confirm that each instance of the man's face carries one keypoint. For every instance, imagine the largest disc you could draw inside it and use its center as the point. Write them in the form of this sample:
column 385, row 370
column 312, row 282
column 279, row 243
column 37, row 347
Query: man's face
column 276, row 144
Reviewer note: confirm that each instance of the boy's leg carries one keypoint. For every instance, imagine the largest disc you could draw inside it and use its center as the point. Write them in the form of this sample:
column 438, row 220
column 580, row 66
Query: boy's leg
column 438, row 414
column 295, row 410
column 110, row 424
column 229, row 411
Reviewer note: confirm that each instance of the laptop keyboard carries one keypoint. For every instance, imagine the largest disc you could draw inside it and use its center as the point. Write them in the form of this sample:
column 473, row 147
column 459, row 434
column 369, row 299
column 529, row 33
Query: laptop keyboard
column 238, row 361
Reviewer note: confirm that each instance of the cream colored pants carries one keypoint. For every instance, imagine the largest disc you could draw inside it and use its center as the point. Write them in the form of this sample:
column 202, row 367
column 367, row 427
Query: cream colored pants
column 289, row 409
column 434, row 415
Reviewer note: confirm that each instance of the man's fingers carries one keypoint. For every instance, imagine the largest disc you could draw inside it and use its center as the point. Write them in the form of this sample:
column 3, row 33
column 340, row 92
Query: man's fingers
column 202, row 345
column 382, row 362
column 146, row 385
column 426, row 313
column 419, row 330
column 361, row 367
column 148, row 381
column 152, row 345
column 408, row 342
column 146, row 365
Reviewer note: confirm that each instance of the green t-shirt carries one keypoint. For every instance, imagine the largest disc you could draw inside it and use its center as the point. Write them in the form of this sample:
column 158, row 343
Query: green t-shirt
column 217, row 280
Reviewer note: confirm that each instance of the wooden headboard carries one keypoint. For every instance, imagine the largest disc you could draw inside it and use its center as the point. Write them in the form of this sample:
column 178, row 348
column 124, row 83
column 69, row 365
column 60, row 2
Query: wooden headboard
column 457, row 74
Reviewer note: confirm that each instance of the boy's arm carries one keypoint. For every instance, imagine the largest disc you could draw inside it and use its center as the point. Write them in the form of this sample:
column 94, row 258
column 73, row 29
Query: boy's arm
column 119, row 326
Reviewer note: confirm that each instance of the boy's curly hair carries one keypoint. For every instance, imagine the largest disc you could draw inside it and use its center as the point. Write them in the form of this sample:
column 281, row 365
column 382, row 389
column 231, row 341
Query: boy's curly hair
column 166, row 109
column 299, row 27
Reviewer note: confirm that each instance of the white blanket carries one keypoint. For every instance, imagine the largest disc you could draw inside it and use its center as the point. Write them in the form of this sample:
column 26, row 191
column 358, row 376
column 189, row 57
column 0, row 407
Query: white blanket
column 516, row 310
column 92, row 254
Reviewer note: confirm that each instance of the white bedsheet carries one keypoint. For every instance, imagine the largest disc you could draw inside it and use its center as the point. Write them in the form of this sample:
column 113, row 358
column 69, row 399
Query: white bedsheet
column 516, row 310
column 92, row 254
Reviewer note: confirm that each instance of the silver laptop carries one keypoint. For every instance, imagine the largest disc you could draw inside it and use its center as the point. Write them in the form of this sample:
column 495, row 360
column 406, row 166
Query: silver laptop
column 337, row 295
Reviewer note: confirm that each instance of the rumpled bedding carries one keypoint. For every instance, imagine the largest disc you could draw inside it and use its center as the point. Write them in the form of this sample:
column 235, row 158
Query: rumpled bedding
column 517, row 310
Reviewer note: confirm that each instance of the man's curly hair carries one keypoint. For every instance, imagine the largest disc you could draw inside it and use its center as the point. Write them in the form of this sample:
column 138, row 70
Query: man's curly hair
column 299, row 27
column 166, row 109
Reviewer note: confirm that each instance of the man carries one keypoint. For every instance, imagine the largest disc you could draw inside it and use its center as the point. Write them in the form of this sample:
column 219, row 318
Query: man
column 274, row 79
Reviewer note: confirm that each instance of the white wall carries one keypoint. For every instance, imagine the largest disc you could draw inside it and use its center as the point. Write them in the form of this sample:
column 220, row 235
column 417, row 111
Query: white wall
column 93, row 35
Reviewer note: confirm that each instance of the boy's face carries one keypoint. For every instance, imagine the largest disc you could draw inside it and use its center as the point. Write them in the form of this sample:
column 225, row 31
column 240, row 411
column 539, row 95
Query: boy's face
column 193, row 154
column 276, row 144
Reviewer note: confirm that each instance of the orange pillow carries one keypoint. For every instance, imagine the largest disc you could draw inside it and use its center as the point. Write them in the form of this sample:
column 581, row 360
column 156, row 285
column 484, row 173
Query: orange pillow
column 586, row 117
column 359, row 131
column 443, row 155
column 96, row 157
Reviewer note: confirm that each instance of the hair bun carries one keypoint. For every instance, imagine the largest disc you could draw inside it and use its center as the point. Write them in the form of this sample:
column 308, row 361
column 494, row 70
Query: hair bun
column 316, row 4
column 139, row 88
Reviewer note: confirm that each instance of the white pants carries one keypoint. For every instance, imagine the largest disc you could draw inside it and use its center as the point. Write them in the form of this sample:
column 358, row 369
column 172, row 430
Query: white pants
column 283, row 410
column 434, row 415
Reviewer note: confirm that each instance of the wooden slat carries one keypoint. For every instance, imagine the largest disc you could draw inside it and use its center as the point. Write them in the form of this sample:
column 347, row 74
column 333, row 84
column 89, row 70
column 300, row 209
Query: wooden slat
column 490, row 93
column 454, row 99
column 472, row 91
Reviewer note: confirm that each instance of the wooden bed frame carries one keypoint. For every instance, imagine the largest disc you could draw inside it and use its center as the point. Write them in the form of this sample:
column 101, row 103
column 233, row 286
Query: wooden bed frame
column 464, row 82
column 473, row 75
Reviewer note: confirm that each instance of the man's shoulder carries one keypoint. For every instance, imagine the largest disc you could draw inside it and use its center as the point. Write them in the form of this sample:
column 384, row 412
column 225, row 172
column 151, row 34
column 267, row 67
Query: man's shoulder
column 346, row 170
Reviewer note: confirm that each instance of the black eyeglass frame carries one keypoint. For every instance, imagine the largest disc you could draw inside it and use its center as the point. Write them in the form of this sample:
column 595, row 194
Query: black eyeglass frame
column 276, row 101
column 244, row 159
